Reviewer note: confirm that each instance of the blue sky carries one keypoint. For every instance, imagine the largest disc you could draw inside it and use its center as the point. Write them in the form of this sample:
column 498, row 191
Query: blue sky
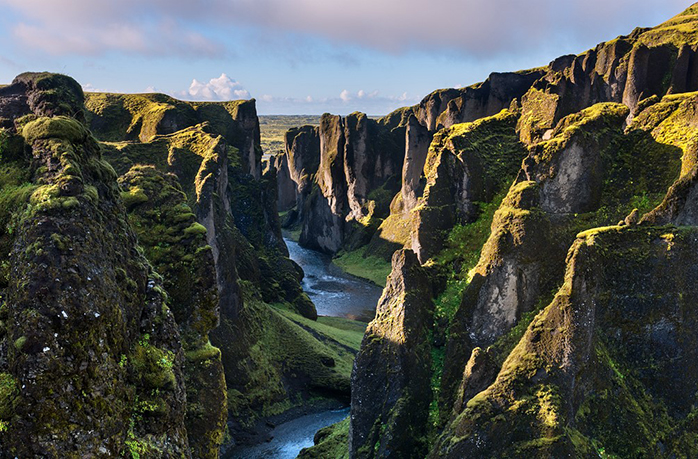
column 305, row 56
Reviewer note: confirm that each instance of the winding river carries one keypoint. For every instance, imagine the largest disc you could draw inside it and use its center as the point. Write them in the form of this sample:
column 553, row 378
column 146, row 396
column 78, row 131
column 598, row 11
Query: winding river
column 334, row 293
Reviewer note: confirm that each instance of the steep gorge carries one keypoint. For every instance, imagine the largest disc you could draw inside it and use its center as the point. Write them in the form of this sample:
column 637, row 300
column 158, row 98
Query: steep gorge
column 540, row 228
column 559, row 306
column 149, row 307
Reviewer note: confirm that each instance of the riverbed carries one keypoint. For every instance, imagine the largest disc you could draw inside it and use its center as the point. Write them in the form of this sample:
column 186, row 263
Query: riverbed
column 336, row 294
column 292, row 436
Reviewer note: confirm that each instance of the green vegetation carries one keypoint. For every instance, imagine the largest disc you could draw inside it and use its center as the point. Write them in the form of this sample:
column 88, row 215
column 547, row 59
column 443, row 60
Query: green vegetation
column 273, row 128
column 678, row 31
column 331, row 442
column 359, row 264
column 344, row 331
column 61, row 127
column 284, row 348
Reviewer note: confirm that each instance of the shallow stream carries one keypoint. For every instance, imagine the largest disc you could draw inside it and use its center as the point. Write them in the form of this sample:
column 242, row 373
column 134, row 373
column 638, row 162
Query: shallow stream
column 334, row 293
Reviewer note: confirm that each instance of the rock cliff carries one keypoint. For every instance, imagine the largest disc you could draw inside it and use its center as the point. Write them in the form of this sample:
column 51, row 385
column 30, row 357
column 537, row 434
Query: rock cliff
column 629, row 69
column 237, row 212
column 391, row 377
column 556, row 235
column 139, row 264
column 91, row 357
column 345, row 172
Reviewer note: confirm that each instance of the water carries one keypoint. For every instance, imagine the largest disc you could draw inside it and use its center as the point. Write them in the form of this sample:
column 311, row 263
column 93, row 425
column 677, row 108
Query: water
column 291, row 437
column 334, row 292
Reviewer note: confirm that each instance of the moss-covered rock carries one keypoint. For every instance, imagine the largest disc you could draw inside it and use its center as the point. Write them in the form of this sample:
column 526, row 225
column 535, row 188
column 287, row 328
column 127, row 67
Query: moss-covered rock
column 331, row 441
column 590, row 173
column 346, row 172
column 176, row 246
column 41, row 94
column 606, row 368
column 391, row 388
column 467, row 164
column 79, row 302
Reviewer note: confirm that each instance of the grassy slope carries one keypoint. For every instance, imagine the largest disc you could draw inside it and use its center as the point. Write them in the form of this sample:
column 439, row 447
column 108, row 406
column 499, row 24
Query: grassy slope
column 357, row 263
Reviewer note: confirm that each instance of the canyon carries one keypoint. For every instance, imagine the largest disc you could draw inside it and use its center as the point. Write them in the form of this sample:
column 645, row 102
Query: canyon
column 534, row 236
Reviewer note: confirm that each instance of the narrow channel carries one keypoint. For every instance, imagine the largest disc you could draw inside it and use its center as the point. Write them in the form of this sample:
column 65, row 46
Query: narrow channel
column 337, row 294
column 334, row 292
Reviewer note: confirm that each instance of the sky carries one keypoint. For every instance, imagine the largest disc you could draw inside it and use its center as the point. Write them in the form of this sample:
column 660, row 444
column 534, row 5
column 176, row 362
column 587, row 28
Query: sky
column 305, row 56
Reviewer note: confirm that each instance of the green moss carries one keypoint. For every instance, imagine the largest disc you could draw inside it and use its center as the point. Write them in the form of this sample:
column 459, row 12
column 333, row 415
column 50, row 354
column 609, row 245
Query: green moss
column 344, row 331
column 677, row 31
column 205, row 352
column 285, row 347
column 133, row 197
column 331, row 442
column 538, row 114
column 9, row 391
column 359, row 264
column 20, row 342
column 53, row 94
column 153, row 366
column 195, row 229
column 61, row 127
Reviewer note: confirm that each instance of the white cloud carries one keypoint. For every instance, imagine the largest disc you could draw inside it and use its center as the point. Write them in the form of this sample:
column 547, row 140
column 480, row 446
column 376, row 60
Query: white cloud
column 89, row 87
column 345, row 96
column 474, row 27
column 89, row 28
column 221, row 88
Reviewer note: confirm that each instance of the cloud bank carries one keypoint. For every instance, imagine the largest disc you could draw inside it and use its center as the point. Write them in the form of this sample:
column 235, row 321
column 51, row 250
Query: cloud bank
column 346, row 102
column 186, row 27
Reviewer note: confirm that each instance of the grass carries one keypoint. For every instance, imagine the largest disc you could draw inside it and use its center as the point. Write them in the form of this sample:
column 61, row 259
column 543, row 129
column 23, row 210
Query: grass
column 273, row 128
column 333, row 442
column 356, row 263
column 346, row 332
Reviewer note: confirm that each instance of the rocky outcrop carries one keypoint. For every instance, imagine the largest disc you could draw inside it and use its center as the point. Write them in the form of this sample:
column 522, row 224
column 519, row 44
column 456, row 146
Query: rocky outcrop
column 628, row 70
column 341, row 170
column 462, row 170
column 323, row 224
column 287, row 190
column 91, row 360
column 485, row 99
column 417, row 142
column 565, row 184
column 531, row 369
column 176, row 246
column 273, row 360
column 128, row 117
column 608, row 364
column 41, row 94
column 391, row 378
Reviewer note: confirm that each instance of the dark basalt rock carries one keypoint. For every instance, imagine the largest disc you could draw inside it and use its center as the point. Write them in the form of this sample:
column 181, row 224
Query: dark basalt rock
column 580, row 377
column 345, row 171
column 391, row 387
column 573, row 173
column 41, row 94
column 91, row 355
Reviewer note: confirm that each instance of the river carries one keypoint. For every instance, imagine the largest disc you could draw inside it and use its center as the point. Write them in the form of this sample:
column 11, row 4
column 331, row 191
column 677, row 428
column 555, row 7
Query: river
column 334, row 293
